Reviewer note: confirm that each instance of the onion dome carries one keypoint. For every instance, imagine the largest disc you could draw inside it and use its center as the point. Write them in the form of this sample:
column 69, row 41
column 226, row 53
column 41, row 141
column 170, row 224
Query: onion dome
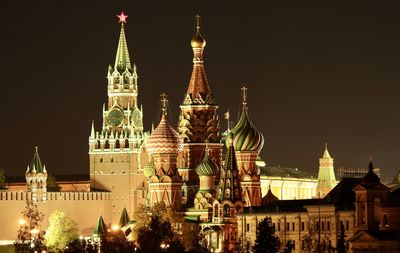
column 247, row 137
column 164, row 139
column 149, row 169
column 206, row 167
column 198, row 41
column 269, row 197
column 370, row 178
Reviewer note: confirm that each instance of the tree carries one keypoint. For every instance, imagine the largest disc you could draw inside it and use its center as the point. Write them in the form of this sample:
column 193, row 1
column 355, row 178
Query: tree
column 287, row 246
column 266, row 241
column 2, row 179
column 62, row 230
column 155, row 235
column 341, row 247
column 30, row 236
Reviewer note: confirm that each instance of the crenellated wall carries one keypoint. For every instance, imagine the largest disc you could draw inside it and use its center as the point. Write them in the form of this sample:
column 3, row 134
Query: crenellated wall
column 82, row 207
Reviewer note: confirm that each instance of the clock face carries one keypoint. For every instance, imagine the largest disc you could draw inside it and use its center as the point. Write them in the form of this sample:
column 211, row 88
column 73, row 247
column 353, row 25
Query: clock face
column 137, row 118
column 115, row 117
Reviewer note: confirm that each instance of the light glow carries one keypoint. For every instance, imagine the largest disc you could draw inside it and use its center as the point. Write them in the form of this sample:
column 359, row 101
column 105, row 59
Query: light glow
column 122, row 17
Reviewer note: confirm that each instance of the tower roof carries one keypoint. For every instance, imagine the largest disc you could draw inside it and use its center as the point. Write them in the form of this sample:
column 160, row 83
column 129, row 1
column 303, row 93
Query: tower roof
column 326, row 152
column 198, row 91
column 229, row 185
column 36, row 163
column 247, row 137
column 370, row 178
column 124, row 218
column 100, row 229
column 122, row 60
column 164, row 139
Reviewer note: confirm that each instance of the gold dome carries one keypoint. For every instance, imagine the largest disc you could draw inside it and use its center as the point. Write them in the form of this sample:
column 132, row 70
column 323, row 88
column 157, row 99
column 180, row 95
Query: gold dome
column 198, row 41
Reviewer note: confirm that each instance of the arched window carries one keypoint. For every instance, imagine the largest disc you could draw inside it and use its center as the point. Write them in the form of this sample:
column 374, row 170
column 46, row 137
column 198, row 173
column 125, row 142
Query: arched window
column 216, row 211
column 227, row 210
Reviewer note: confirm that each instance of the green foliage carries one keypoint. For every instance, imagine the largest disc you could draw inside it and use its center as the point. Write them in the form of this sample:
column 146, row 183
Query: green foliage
column 266, row 241
column 82, row 246
column 61, row 231
column 117, row 245
column 52, row 185
column 287, row 246
column 30, row 236
column 2, row 179
column 153, row 231
column 157, row 233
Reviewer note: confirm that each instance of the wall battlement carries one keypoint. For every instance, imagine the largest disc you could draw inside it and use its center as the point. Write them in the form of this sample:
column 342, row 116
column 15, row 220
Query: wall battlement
column 51, row 196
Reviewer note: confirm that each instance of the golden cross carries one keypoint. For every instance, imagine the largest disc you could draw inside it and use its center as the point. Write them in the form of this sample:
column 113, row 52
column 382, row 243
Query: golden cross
column 164, row 101
column 244, row 95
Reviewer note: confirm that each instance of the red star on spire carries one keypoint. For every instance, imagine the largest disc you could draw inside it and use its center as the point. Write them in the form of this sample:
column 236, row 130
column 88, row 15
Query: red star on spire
column 122, row 17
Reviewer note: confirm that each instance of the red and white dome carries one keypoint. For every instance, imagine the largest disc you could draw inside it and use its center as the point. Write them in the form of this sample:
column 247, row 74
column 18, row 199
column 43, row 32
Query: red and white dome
column 164, row 139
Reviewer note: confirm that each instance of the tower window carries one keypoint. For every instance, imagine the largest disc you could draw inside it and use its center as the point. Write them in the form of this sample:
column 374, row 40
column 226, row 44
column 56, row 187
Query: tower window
column 101, row 159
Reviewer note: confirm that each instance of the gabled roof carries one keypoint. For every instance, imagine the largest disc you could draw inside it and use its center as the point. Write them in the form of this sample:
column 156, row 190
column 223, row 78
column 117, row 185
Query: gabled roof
column 342, row 196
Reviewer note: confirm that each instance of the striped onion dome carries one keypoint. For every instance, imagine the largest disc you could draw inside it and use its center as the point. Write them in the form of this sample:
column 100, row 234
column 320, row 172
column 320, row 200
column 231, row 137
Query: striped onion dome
column 246, row 136
column 164, row 139
column 206, row 167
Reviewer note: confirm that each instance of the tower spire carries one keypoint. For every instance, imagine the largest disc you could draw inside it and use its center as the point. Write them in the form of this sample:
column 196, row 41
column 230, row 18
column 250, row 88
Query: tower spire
column 198, row 91
column 122, row 60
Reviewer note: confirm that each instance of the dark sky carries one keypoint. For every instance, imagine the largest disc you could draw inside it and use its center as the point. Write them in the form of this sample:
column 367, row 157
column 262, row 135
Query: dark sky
column 316, row 70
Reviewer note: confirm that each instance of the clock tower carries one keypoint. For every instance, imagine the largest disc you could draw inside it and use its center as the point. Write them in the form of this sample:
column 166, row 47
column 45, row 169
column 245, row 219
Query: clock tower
column 116, row 151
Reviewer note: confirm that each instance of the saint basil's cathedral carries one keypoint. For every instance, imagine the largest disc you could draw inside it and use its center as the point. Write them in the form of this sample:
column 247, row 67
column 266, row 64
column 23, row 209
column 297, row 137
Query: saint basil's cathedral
column 195, row 169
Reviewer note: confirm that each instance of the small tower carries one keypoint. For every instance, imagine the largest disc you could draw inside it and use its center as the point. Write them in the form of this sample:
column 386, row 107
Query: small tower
column 198, row 120
column 326, row 174
column 207, row 170
column 164, row 145
column 370, row 194
column 228, row 200
column 36, row 178
column 248, row 142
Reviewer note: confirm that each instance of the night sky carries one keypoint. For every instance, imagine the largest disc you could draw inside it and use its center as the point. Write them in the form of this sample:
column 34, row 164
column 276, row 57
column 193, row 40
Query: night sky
column 316, row 71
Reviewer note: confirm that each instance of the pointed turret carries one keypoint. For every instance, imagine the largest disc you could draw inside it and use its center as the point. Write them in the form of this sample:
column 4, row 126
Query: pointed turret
column 326, row 152
column 198, row 91
column 326, row 174
column 122, row 60
column 36, row 163
column 100, row 230
column 229, row 184
column 124, row 219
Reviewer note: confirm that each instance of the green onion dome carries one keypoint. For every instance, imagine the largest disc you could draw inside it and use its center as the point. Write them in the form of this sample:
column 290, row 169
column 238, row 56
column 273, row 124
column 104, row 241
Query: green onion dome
column 206, row 167
column 149, row 169
column 164, row 139
column 246, row 136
